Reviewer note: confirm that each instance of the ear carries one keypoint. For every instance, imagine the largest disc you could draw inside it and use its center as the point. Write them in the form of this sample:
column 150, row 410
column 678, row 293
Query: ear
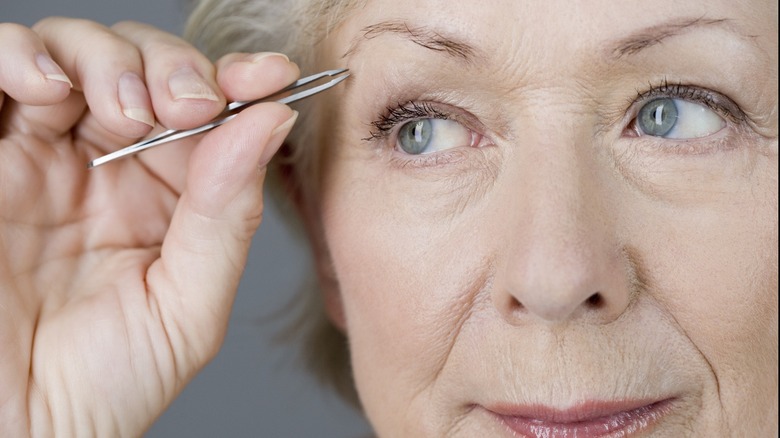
column 305, row 206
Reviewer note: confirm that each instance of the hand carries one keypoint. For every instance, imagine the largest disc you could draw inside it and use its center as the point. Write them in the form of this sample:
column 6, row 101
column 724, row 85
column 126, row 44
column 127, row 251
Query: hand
column 116, row 283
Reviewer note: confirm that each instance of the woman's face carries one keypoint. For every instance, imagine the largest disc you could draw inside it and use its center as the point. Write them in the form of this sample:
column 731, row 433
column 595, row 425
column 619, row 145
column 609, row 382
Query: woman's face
column 557, row 218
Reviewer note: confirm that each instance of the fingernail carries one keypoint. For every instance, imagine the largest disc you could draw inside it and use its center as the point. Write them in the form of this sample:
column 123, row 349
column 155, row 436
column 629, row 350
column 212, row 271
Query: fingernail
column 282, row 130
column 186, row 83
column 277, row 138
column 50, row 69
column 263, row 55
column 134, row 99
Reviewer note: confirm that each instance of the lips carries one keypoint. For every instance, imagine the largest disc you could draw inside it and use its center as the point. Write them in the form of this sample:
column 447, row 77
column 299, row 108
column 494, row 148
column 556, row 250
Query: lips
column 590, row 419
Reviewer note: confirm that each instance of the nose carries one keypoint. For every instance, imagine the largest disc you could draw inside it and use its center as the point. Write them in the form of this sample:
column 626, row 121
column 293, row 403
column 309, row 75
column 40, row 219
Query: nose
column 563, row 281
column 563, row 260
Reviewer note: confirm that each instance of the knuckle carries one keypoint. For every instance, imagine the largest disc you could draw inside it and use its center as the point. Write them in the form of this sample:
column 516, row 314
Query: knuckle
column 174, row 50
column 13, row 30
column 126, row 25
column 150, row 39
column 56, row 23
column 110, row 46
column 113, row 43
column 46, row 23
column 230, row 59
column 165, row 48
column 16, row 38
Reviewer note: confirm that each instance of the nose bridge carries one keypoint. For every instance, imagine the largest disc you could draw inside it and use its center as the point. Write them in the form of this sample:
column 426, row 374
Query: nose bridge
column 565, row 220
column 563, row 260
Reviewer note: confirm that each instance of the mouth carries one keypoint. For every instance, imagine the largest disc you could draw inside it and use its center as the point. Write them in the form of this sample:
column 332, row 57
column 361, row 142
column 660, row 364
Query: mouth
column 591, row 419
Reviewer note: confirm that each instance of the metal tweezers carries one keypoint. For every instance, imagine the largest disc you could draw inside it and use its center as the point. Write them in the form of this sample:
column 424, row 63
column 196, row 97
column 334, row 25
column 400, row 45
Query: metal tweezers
column 231, row 110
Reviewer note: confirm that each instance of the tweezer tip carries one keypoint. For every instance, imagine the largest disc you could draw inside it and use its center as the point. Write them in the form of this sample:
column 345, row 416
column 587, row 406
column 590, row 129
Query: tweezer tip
column 97, row 162
column 336, row 72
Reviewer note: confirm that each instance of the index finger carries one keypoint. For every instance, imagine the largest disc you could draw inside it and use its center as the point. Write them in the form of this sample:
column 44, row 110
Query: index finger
column 165, row 58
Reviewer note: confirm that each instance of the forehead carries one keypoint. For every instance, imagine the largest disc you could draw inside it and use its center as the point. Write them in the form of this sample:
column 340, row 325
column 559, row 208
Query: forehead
column 536, row 28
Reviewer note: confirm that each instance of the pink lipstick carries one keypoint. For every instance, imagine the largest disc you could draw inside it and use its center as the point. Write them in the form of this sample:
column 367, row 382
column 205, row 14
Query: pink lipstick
column 592, row 419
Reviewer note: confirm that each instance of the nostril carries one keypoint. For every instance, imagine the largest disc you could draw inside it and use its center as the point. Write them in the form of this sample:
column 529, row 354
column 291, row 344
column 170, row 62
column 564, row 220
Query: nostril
column 511, row 309
column 595, row 300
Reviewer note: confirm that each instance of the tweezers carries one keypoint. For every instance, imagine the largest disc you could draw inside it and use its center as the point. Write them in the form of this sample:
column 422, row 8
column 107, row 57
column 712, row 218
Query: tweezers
column 230, row 111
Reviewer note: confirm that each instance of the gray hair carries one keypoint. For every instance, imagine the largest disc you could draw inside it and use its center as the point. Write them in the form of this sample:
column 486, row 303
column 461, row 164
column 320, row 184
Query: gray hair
column 292, row 27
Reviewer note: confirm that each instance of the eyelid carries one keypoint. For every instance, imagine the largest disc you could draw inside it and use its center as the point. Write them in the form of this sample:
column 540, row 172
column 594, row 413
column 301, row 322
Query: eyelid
column 395, row 116
column 402, row 113
column 386, row 129
column 449, row 156
column 737, row 121
column 713, row 100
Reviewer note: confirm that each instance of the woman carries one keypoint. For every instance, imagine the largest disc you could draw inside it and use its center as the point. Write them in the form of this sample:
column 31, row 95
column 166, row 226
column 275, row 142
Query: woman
column 530, row 218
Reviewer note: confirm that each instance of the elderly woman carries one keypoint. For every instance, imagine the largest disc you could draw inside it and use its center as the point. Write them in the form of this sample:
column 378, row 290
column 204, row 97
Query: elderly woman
column 544, row 218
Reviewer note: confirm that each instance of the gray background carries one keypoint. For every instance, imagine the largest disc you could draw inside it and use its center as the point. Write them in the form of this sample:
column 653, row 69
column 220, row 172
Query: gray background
column 255, row 387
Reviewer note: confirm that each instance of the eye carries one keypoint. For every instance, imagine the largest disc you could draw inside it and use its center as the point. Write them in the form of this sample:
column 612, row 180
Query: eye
column 425, row 136
column 677, row 119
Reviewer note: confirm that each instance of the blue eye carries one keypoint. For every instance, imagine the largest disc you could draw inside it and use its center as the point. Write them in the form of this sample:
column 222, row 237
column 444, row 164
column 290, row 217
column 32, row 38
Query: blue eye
column 413, row 138
column 677, row 119
column 425, row 136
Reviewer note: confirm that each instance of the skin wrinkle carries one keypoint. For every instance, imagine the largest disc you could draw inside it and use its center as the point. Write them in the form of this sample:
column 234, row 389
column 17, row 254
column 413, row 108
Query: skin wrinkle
column 652, row 182
column 154, row 310
column 32, row 384
column 632, row 45
column 638, row 274
column 626, row 160
column 170, row 328
column 452, row 194
column 561, row 335
column 636, row 214
column 488, row 171
column 453, row 322
column 463, row 311
column 37, row 397
column 457, row 423
column 706, row 361
column 644, row 282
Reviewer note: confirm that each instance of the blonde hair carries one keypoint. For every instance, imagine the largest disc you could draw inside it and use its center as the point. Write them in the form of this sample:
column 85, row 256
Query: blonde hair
column 292, row 27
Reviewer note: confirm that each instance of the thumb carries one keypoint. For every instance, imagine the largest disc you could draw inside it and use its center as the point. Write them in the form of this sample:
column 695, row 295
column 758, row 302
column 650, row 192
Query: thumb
column 205, row 250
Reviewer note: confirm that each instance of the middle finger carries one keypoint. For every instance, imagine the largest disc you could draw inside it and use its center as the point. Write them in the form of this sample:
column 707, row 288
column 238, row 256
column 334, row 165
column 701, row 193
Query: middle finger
column 183, row 90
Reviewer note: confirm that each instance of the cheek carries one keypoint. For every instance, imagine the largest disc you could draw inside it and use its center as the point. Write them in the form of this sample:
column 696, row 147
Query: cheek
column 715, row 272
column 406, row 285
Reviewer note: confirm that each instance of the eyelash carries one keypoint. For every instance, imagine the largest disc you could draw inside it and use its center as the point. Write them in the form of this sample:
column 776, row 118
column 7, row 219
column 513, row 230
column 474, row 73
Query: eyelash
column 401, row 113
column 404, row 112
column 712, row 100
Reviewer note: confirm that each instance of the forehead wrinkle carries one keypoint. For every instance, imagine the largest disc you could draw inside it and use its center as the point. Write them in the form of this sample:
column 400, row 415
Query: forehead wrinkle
column 422, row 36
column 653, row 35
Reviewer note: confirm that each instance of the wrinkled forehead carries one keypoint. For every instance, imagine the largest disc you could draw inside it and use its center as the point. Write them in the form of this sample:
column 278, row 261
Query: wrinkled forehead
column 534, row 29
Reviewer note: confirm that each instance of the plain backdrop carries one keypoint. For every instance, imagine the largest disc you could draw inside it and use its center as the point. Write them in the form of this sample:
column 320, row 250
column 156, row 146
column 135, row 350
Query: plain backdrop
column 256, row 386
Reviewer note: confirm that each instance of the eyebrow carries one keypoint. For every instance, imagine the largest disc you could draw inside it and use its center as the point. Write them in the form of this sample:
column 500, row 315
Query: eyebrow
column 422, row 36
column 453, row 47
column 654, row 35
